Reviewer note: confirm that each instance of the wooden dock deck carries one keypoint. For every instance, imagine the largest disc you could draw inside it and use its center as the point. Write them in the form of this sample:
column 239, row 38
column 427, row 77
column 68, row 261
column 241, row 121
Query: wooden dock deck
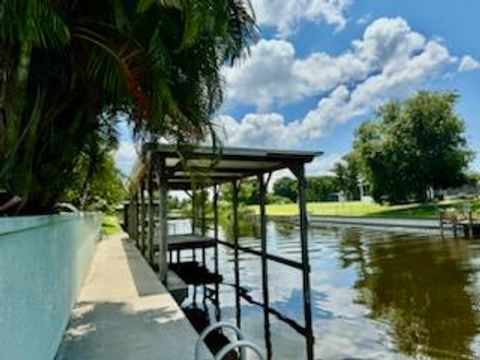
column 125, row 313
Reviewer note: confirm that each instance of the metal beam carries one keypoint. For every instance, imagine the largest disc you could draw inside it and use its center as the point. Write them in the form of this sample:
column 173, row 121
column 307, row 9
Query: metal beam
column 208, row 170
column 271, row 257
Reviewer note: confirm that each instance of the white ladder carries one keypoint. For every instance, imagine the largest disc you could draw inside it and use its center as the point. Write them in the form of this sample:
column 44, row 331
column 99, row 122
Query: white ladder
column 240, row 343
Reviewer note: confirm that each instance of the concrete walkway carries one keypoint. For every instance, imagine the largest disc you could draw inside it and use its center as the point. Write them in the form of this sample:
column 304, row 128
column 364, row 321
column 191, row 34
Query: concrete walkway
column 124, row 312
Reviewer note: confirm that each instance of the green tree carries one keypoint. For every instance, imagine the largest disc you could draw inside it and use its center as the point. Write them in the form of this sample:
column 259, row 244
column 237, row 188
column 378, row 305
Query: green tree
column 248, row 192
column 320, row 188
column 413, row 147
column 287, row 188
column 66, row 67
column 105, row 189
column 347, row 175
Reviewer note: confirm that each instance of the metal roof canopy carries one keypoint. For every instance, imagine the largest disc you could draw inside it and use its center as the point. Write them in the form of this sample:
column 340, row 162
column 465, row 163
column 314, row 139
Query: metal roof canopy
column 215, row 166
column 166, row 168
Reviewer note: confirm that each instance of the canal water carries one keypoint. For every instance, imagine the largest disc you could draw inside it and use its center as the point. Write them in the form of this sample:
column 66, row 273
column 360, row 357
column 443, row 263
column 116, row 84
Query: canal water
column 375, row 294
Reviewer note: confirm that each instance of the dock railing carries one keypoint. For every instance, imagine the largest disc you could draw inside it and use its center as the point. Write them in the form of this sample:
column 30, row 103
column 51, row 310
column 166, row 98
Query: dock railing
column 460, row 219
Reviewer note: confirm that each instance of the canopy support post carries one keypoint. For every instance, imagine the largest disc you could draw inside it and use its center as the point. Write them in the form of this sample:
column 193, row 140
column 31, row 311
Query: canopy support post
column 299, row 171
column 263, row 239
column 151, row 215
column 194, row 210
column 203, row 199
column 235, row 186
column 215, row 236
column 135, row 219
column 162, row 232
column 143, row 216
column 129, row 217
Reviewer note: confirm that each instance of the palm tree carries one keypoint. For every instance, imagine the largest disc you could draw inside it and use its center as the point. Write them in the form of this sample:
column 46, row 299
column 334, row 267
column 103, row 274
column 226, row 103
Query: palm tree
column 68, row 68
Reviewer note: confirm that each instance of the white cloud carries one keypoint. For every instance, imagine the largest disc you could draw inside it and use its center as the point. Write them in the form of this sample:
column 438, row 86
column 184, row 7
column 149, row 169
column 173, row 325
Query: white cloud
column 365, row 19
column 468, row 63
column 265, row 76
column 285, row 15
column 390, row 61
column 323, row 165
column 259, row 130
column 273, row 74
column 125, row 157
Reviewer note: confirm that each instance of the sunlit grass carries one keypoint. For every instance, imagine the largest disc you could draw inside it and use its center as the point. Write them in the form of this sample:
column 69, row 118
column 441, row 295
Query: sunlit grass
column 110, row 225
column 357, row 208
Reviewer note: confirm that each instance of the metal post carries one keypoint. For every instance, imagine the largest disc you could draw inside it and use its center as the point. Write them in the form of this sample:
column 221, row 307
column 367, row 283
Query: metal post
column 162, row 223
column 299, row 171
column 132, row 218
column 125, row 217
column 263, row 240
column 204, row 223
column 151, row 216
column 194, row 211
column 135, row 218
column 470, row 223
column 235, row 242
column 143, row 217
column 215, row 257
column 129, row 218
column 441, row 222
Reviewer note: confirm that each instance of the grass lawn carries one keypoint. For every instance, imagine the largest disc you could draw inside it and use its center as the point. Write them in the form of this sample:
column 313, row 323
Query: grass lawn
column 356, row 208
column 110, row 225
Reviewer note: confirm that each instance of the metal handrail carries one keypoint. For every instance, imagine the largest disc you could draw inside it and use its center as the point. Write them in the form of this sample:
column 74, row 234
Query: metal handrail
column 240, row 343
column 212, row 327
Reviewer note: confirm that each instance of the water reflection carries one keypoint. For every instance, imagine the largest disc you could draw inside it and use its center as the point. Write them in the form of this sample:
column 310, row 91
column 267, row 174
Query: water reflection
column 375, row 295
column 247, row 224
column 422, row 287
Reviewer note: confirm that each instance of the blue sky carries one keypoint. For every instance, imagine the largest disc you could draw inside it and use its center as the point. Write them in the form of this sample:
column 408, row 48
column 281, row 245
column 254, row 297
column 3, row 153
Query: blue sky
column 321, row 67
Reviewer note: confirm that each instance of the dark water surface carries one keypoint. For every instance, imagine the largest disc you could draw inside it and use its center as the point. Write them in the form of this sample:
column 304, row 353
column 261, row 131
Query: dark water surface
column 375, row 294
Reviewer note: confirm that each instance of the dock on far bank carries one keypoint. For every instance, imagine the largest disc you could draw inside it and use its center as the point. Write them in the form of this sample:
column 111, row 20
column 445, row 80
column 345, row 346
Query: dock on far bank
column 422, row 225
column 124, row 312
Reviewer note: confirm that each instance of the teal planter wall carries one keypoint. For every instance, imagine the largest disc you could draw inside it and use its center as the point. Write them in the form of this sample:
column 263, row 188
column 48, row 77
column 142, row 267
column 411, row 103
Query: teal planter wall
column 43, row 262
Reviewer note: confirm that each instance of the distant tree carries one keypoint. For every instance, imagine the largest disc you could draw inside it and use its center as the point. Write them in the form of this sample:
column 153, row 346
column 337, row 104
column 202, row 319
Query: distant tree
column 173, row 202
column 286, row 187
column 320, row 188
column 248, row 192
column 473, row 178
column 275, row 199
column 347, row 174
column 413, row 147
column 105, row 189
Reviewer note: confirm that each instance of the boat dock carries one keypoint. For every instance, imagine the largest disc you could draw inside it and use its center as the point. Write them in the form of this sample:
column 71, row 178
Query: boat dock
column 124, row 312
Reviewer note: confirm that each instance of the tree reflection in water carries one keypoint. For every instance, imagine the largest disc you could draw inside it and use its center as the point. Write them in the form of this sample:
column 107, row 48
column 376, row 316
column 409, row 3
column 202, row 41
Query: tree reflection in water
column 423, row 289
column 248, row 225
